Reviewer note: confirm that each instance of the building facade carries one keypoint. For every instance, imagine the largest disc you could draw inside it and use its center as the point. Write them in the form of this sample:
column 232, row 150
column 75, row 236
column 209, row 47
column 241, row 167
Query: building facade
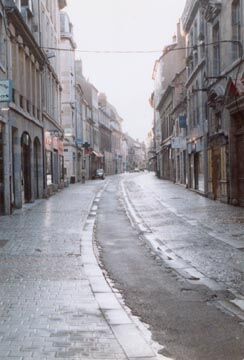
column 165, row 103
column 224, row 79
column 24, row 175
column 194, row 27
column 205, row 138
column 105, row 132
column 68, row 100
column 33, row 111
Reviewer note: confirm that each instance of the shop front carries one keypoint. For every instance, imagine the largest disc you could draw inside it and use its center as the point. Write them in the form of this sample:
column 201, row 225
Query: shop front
column 96, row 162
column 217, row 167
column 54, row 153
column 235, row 106
column 26, row 150
column 196, row 165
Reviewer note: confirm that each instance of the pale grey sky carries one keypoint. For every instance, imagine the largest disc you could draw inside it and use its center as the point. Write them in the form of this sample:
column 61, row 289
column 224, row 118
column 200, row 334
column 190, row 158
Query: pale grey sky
column 124, row 25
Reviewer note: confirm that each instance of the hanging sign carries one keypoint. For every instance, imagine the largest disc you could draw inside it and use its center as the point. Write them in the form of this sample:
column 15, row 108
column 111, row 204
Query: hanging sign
column 5, row 90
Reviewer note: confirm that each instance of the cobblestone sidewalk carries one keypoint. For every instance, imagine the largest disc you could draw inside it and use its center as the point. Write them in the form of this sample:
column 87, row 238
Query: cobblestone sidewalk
column 47, row 308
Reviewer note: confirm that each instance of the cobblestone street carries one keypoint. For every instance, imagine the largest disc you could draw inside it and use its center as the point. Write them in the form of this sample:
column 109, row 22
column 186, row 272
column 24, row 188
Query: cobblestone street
column 47, row 308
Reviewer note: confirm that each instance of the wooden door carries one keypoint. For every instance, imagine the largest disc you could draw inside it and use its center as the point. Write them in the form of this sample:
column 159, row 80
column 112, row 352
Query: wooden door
column 216, row 172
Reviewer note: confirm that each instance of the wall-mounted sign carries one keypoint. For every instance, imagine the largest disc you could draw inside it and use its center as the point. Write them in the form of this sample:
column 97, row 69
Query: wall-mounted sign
column 5, row 90
column 178, row 143
column 55, row 142
column 79, row 142
column 48, row 141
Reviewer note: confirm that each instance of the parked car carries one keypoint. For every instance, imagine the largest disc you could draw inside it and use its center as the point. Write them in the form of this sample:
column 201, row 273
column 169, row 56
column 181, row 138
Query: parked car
column 100, row 174
column 136, row 169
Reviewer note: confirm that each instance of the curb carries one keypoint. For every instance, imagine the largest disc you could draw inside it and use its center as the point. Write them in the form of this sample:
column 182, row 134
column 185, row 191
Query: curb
column 130, row 333
column 183, row 268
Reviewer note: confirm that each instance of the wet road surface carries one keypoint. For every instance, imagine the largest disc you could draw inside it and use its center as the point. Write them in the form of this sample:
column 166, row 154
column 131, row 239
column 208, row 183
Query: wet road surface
column 182, row 316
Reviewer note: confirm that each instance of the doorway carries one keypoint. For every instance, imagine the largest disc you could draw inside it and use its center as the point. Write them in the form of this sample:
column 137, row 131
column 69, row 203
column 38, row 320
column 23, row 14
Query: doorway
column 37, row 163
column 26, row 167
column 240, row 166
column 216, row 172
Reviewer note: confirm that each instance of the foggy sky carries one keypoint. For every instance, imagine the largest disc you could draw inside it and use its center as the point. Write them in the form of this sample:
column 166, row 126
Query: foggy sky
column 124, row 25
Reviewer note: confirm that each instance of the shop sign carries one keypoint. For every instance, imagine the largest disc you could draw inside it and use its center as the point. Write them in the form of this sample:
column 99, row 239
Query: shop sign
column 5, row 90
column 79, row 142
column 55, row 143
column 48, row 141
column 68, row 131
column 199, row 146
column 175, row 143
column 178, row 143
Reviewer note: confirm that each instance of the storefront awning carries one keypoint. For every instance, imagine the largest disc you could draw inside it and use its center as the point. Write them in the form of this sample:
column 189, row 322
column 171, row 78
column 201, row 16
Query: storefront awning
column 97, row 154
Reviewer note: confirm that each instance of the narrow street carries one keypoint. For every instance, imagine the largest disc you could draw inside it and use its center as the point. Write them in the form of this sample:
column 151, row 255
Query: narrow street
column 177, row 258
column 54, row 300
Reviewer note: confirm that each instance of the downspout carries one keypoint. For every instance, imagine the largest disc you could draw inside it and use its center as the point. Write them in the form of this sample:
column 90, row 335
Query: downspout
column 41, row 103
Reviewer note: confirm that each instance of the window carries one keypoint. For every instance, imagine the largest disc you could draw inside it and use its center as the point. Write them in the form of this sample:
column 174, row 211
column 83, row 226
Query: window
column 216, row 50
column 28, row 5
column 18, row 4
column 2, row 43
column 236, row 28
column 196, row 105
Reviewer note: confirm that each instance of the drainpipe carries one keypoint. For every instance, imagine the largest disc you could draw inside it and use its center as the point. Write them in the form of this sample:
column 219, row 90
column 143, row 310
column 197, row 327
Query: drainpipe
column 41, row 109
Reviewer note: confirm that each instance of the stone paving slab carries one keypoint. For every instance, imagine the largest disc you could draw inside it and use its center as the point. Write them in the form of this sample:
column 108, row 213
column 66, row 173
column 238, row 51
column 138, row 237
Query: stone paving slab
column 52, row 292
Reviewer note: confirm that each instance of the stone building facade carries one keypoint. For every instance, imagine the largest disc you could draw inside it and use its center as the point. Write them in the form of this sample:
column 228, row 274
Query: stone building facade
column 165, row 101
column 5, row 190
column 49, row 125
column 224, row 79
column 49, row 42
column 194, row 27
column 214, row 88
column 32, row 112
column 68, row 100
column 25, row 62
column 105, row 132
